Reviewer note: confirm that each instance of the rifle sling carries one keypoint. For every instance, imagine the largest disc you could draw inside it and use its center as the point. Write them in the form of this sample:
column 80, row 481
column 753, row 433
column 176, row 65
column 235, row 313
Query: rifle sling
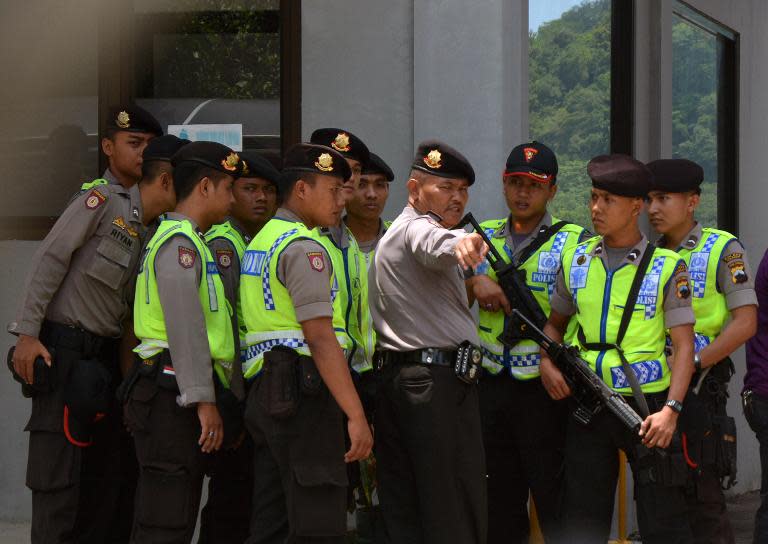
column 626, row 316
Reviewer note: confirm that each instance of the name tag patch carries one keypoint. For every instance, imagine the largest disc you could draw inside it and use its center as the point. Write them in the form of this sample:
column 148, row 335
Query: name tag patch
column 253, row 262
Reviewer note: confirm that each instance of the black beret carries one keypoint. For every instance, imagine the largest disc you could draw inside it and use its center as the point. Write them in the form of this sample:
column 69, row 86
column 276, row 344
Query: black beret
column 620, row 174
column 343, row 141
column 163, row 148
column 317, row 159
column 376, row 165
column 256, row 166
column 533, row 160
column 133, row 118
column 675, row 175
column 439, row 159
column 211, row 154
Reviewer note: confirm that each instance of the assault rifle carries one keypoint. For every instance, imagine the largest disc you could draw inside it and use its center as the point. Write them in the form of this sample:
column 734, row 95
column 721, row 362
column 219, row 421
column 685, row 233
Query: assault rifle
column 590, row 393
column 512, row 281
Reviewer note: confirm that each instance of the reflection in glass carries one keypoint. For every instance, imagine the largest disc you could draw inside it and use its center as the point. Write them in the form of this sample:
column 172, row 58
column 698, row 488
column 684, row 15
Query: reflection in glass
column 569, row 92
column 694, row 107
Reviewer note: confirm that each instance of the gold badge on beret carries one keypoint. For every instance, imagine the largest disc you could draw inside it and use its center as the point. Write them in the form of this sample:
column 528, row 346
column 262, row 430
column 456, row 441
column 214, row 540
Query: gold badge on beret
column 246, row 171
column 433, row 159
column 324, row 162
column 341, row 143
column 230, row 163
column 123, row 120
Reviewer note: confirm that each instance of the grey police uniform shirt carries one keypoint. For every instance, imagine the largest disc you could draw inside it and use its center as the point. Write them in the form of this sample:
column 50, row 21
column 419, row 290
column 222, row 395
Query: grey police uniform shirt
column 308, row 286
column 677, row 311
column 178, row 287
column 416, row 288
column 368, row 247
column 80, row 274
column 734, row 253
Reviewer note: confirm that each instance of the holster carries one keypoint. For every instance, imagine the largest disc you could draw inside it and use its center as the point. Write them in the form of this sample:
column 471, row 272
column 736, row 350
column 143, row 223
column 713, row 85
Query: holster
column 44, row 379
column 724, row 431
column 278, row 393
column 666, row 468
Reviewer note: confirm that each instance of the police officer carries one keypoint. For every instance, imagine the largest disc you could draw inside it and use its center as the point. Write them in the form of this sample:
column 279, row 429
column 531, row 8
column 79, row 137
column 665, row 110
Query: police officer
column 129, row 130
column 295, row 333
column 183, row 321
column 349, row 261
column 226, row 515
column 593, row 285
column 722, row 292
column 429, row 450
column 71, row 314
column 523, row 428
column 367, row 203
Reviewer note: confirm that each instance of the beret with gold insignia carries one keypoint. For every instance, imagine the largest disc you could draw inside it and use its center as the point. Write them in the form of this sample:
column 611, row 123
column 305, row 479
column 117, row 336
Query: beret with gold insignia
column 620, row 175
column 163, row 148
column 533, row 160
column 675, row 175
column 133, row 118
column 317, row 159
column 211, row 154
column 439, row 159
column 257, row 166
column 376, row 165
column 343, row 141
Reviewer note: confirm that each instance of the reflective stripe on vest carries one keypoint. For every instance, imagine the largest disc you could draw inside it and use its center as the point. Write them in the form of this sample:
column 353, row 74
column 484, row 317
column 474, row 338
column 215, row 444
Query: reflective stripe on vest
column 600, row 296
column 268, row 313
column 709, row 305
column 540, row 273
column 149, row 320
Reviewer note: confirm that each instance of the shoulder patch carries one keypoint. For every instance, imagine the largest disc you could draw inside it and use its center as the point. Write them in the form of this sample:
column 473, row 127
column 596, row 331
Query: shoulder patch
column 682, row 289
column 316, row 260
column 224, row 257
column 738, row 273
column 733, row 257
column 95, row 199
column 680, row 268
column 187, row 257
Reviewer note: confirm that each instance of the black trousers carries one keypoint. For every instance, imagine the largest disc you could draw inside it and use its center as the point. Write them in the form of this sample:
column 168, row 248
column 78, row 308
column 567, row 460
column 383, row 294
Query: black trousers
column 524, row 437
column 707, row 512
column 300, row 479
column 430, row 457
column 171, row 464
column 757, row 417
column 79, row 495
column 591, row 461
column 225, row 518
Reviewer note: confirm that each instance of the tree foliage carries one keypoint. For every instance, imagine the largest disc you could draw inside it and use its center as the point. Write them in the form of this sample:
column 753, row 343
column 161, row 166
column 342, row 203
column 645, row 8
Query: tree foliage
column 569, row 93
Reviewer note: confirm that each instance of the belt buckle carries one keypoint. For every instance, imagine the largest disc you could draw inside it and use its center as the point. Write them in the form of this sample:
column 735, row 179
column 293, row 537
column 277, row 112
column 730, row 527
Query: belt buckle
column 428, row 356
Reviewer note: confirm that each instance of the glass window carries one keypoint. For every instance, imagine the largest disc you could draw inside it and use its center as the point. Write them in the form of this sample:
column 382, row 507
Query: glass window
column 699, row 92
column 49, row 110
column 211, row 62
column 570, row 92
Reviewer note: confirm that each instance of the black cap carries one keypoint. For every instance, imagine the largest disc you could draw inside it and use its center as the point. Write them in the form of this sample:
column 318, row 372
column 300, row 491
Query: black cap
column 675, row 175
column 133, row 118
column 212, row 154
column 620, row 174
column 256, row 166
column 86, row 398
column 317, row 159
column 376, row 165
column 533, row 160
column 439, row 159
column 343, row 141
column 163, row 148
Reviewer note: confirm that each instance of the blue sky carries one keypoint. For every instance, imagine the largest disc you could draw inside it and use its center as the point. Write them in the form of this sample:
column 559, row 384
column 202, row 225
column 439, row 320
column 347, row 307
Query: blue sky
column 540, row 11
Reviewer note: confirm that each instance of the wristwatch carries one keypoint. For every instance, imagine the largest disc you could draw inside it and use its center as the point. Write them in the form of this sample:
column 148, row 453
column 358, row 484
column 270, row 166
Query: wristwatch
column 697, row 362
column 677, row 406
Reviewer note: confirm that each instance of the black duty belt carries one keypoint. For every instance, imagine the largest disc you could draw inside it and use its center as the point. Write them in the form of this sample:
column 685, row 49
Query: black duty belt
column 426, row 356
column 74, row 338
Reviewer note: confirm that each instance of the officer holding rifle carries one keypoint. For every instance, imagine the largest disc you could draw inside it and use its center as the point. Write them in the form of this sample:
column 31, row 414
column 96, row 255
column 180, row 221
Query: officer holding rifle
column 624, row 294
